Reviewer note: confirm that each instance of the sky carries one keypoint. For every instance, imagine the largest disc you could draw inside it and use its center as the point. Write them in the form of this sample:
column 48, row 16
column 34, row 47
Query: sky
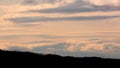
column 80, row 28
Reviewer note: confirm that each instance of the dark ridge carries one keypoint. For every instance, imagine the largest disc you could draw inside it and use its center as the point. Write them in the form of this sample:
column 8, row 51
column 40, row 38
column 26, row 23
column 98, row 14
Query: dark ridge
column 18, row 59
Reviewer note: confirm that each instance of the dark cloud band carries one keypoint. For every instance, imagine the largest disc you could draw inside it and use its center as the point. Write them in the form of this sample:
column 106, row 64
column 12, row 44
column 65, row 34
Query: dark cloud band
column 77, row 18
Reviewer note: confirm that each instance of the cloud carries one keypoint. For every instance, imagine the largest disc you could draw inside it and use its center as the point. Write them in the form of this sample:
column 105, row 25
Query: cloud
column 77, row 18
column 54, row 48
column 35, row 2
column 54, row 2
column 84, row 6
column 95, row 47
column 56, row 35
column 26, row 5
column 75, row 7
column 92, row 47
column 104, row 3
column 78, row 47
column 18, row 48
column 72, row 47
column 67, row 9
column 1, row 12
column 9, row 2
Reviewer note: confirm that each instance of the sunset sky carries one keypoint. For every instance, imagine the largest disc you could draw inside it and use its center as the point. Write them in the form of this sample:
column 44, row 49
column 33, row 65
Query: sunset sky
column 65, row 27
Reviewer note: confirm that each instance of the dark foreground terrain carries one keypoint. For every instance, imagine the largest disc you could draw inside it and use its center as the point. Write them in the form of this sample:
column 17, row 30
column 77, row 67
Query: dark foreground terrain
column 19, row 59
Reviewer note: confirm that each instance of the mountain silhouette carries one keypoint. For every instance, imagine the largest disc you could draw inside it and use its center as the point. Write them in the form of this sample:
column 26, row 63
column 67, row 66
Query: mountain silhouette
column 14, row 58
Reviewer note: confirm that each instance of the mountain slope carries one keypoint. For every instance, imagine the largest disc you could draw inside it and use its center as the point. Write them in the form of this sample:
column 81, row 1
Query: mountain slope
column 13, row 58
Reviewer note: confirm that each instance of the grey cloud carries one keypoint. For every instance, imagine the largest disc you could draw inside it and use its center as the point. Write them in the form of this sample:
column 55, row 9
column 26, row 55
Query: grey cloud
column 38, row 2
column 29, row 2
column 62, row 52
column 78, row 6
column 77, row 18
column 116, row 48
column 75, row 7
column 44, row 41
column 64, row 10
column 72, row 10
column 11, row 36
column 26, row 36
column 56, row 48
column 16, row 48
column 40, row 49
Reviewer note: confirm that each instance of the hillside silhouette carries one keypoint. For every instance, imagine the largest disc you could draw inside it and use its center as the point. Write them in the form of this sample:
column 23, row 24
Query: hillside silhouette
column 12, row 58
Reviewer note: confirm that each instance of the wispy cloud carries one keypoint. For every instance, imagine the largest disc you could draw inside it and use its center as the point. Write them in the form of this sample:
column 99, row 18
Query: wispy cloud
column 39, row 19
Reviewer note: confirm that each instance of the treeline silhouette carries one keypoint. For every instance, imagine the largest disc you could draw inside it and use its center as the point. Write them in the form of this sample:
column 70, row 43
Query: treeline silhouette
column 14, row 58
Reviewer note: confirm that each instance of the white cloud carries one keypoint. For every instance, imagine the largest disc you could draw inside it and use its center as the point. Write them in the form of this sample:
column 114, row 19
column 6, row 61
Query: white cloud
column 104, row 3
column 92, row 47
column 73, row 48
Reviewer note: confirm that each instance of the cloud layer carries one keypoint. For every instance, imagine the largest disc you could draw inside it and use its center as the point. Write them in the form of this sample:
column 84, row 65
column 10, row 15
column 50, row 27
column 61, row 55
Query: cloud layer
column 99, row 46
column 65, row 27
